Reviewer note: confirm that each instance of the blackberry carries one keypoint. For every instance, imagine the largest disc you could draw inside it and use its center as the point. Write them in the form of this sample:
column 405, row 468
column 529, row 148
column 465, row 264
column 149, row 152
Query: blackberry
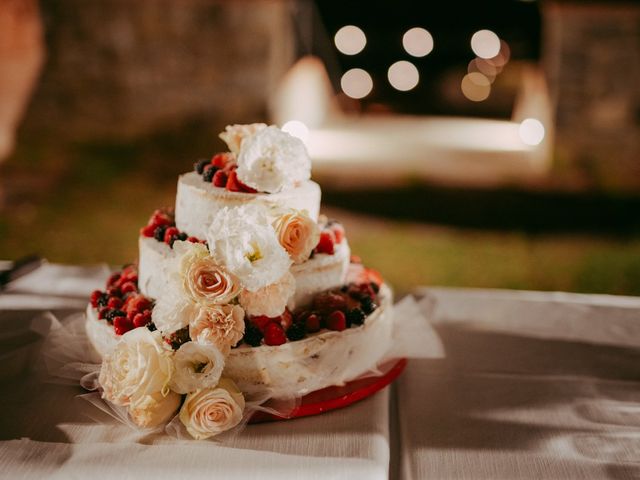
column 200, row 164
column 375, row 287
column 208, row 173
column 103, row 300
column 355, row 316
column 151, row 326
column 253, row 336
column 158, row 233
column 367, row 305
column 296, row 332
column 112, row 313
column 178, row 337
column 183, row 236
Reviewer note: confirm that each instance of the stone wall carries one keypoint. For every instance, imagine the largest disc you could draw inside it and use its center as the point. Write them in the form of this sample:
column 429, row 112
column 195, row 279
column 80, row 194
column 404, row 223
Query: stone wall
column 592, row 59
column 121, row 68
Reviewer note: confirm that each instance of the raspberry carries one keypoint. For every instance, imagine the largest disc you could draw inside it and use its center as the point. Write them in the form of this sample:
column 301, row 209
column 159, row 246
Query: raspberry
column 338, row 232
column 355, row 316
column 209, row 172
column 274, row 334
column 328, row 302
column 129, row 287
column 122, row 325
column 113, row 279
column 253, row 336
column 220, row 179
column 160, row 218
column 113, row 292
column 326, row 243
column 296, row 332
column 95, row 297
column 136, row 304
column 200, row 164
column 158, row 233
column 169, row 234
column 312, row 323
column 142, row 319
column 220, row 160
column 337, row 321
column 148, row 230
column 114, row 302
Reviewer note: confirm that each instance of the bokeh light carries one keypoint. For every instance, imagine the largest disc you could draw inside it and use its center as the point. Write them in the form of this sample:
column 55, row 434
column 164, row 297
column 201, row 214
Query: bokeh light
column 482, row 66
column 403, row 75
column 502, row 58
column 356, row 83
column 531, row 131
column 485, row 44
column 297, row 129
column 350, row 40
column 417, row 42
column 475, row 86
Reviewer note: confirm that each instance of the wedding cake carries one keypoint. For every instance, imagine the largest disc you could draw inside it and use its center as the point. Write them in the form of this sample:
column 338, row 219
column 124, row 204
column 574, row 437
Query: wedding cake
column 242, row 293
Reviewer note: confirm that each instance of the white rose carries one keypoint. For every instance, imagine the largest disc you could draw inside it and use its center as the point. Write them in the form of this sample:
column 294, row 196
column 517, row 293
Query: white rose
column 235, row 134
column 172, row 312
column 243, row 241
column 270, row 300
column 271, row 160
column 298, row 234
column 208, row 412
column 139, row 365
column 202, row 279
column 196, row 366
column 153, row 410
column 221, row 325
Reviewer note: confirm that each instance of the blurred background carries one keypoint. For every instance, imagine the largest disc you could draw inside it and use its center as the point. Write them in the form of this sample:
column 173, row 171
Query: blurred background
column 482, row 144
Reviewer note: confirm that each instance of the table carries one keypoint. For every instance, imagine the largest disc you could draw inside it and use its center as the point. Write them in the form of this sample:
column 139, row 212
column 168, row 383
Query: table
column 534, row 385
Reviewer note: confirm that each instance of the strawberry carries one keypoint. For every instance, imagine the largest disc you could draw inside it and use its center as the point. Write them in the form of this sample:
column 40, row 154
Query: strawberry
column 169, row 233
column 220, row 179
column 235, row 185
column 337, row 321
column 328, row 302
column 312, row 323
column 326, row 243
column 193, row 239
column 274, row 334
column 219, row 160
column 122, row 325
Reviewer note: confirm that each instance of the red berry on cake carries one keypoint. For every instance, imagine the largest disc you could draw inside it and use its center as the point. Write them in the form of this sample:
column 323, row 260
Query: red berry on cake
column 147, row 231
column 261, row 321
column 220, row 160
column 169, row 233
column 113, row 279
column 160, row 218
column 337, row 321
column 136, row 304
column 142, row 319
column 122, row 325
column 128, row 287
column 312, row 323
column 95, row 298
column 193, row 240
column 114, row 302
column 274, row 334
column 286, row 319
column 326, row 243
column 220, row 179
column 329, row 301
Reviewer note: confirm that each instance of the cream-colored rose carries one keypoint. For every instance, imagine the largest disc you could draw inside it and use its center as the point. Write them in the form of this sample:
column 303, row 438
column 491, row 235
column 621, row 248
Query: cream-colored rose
column 270, row 300
column 220, row 325
column 235, row 134
column 139, row 365
column 153, row 410
column 298, row 234
column 197, row 366
column 208, row 412
column 204, row 281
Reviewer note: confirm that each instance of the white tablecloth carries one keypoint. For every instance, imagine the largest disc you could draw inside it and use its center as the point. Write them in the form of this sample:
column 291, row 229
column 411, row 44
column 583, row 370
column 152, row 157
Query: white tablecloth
column 534, row 385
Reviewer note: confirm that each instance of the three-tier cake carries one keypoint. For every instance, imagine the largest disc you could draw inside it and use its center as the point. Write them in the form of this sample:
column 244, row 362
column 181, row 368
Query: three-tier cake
column 243, row 291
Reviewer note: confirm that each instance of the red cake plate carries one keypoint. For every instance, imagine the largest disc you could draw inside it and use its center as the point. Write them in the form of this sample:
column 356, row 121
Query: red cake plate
column 332, row 398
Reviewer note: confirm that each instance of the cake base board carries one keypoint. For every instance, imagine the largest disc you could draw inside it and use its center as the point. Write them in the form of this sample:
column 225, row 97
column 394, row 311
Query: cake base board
column 332, row 398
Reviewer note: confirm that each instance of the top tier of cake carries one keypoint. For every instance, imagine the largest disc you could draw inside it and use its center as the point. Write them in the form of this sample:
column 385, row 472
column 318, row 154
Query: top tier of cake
column 197, row 201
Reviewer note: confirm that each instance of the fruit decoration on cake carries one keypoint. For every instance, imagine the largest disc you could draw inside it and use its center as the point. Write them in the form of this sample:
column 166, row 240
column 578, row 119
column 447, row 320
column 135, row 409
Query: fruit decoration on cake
column 242, row 292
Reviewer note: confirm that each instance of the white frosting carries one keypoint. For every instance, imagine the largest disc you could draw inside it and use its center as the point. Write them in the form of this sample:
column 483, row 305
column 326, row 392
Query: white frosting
column 197, row 202
column 321, row 272
column 296, row 368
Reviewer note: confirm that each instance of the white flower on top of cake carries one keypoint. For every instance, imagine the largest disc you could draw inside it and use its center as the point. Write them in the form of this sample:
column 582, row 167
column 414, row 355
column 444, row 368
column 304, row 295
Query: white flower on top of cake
column 244, row 242
column 139, row 365
column 297, row 233
column 270, row 300
column 211, row 411
column 221, row 325
column 270, row 160
column 196, row 366
column 233, row 135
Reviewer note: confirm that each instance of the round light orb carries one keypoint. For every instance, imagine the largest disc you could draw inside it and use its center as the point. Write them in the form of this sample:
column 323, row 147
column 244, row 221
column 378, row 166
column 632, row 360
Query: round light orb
column 485, row 44
column 356, row 83
column 484, row 67
column 350, row 40
column 417, row 42
column 403, row 75
column 475, row 86
column 297, row 129
column 531, row 131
